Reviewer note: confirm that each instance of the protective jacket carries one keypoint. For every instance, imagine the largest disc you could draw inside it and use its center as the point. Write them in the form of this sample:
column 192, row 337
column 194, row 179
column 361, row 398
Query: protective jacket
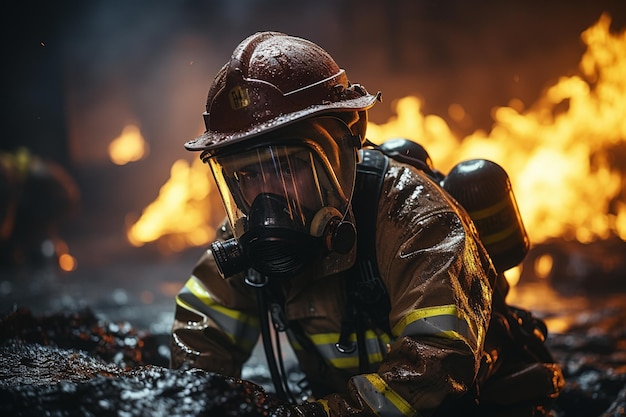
column 440, row 282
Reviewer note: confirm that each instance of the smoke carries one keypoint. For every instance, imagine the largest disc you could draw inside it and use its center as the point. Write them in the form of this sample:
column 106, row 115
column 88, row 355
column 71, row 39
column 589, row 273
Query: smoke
column 107, row 64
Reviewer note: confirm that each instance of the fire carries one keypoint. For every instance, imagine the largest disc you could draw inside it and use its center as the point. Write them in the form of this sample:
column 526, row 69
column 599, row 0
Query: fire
column 561, row 162
column 130, row 146
column 181, row 212
column 559, row 154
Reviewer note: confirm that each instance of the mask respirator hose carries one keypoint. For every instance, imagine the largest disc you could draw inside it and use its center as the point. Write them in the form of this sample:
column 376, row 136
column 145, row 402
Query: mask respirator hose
column 279, row 379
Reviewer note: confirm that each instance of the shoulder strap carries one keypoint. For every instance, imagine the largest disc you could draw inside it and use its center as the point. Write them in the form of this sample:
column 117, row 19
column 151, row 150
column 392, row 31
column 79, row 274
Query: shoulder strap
column 368, row 299
column 370, row 173
column 369, row 180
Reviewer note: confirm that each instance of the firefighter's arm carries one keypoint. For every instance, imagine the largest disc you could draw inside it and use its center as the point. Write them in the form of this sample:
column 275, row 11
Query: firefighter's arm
column 215, row 325
column 440, row 298
column 437, row 273
column 416, row 377
column 414, row 380
column 438, row 278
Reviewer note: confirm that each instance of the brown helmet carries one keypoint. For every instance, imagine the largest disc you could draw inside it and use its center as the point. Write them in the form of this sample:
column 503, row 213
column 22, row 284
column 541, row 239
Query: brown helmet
column 272, row 80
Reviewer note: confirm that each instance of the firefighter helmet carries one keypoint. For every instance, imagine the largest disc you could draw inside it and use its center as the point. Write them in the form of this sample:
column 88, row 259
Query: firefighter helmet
column 273, row 80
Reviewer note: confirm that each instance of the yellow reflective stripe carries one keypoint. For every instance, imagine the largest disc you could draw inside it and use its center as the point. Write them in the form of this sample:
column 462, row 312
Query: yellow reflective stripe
column 349, row 362
column 247, row 335
column 353, row 361
column 189, row 307
column 324, row 404
column 399, row 402
column 442, row 321
column 489, row 211
column 422, row 313
column 501, row 235
column 239, row 327
column 328, row 338
column 194, row 286
column 375, row 344
column 451, row 334
column 381, row 398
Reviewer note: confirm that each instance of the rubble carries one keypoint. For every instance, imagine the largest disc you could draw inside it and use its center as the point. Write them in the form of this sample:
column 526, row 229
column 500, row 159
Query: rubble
column 73, row 363
column 104, row 374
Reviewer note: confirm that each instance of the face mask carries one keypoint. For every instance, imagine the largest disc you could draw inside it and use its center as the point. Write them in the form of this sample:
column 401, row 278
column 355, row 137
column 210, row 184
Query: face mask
column 272, row 244
column 287, row 203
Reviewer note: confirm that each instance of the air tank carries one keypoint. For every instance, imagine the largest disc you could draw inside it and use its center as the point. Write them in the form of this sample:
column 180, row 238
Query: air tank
column 483, row 188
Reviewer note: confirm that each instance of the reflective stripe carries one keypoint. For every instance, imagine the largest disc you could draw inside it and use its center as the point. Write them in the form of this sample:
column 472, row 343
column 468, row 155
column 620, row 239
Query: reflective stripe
column 241, row 328
column 324, row 404
column 500, row 236
column 490, row 211
column 446, row 321
column 383, row 400
column 375, row 344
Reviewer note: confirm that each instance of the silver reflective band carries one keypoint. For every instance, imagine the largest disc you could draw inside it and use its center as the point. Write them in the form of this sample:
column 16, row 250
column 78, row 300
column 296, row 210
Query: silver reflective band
column 445, row 321
column 383, row 400
column 376, row 345
column 242, row 329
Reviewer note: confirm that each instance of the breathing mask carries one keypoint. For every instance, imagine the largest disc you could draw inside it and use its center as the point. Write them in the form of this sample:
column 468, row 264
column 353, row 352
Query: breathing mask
column 287, row 198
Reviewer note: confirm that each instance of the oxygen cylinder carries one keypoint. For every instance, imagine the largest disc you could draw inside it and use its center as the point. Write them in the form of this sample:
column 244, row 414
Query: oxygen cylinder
column 483, row 188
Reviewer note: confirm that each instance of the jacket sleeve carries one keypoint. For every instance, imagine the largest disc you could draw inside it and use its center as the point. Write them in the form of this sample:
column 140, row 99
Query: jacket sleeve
column 438, row 278
column 215, row 323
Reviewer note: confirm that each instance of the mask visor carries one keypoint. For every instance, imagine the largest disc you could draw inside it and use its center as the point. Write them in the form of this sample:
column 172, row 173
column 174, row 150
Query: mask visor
column 291, row 173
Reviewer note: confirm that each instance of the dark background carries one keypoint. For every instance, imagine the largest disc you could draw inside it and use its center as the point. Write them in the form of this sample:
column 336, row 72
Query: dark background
column 76, row 72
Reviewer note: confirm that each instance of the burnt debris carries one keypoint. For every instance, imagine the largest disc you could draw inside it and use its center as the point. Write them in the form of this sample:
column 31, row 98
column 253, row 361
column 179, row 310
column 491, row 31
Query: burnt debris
column 74, row 363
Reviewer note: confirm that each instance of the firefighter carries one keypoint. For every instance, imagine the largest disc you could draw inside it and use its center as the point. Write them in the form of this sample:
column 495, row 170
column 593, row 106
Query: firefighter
column 283, row 130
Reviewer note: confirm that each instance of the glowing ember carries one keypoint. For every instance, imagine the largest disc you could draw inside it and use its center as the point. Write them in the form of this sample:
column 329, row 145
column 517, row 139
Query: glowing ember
column 559, row 154
column 128, row 147
column 66, row 261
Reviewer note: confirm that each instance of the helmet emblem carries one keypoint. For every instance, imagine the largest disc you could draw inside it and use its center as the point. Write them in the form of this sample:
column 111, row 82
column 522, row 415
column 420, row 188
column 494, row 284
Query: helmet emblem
column 239, row 98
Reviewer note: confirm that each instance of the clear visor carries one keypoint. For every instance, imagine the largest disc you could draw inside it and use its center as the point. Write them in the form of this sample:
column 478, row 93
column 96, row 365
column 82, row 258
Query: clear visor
column 309, row 175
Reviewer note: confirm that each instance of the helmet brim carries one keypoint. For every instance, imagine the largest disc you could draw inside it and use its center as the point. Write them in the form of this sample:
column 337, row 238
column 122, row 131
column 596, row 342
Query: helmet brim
column 214, row 139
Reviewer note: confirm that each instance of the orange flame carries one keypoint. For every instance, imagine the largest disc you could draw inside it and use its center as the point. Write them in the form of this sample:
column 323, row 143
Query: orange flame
column 130, row 146
column 558, row 153
column 561, row 164
column 181, row 212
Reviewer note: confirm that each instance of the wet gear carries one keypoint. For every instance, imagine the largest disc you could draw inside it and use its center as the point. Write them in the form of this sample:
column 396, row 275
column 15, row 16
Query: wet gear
column 438, row 277
column 437, row 344
column 271, row 81
column 428, row 335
